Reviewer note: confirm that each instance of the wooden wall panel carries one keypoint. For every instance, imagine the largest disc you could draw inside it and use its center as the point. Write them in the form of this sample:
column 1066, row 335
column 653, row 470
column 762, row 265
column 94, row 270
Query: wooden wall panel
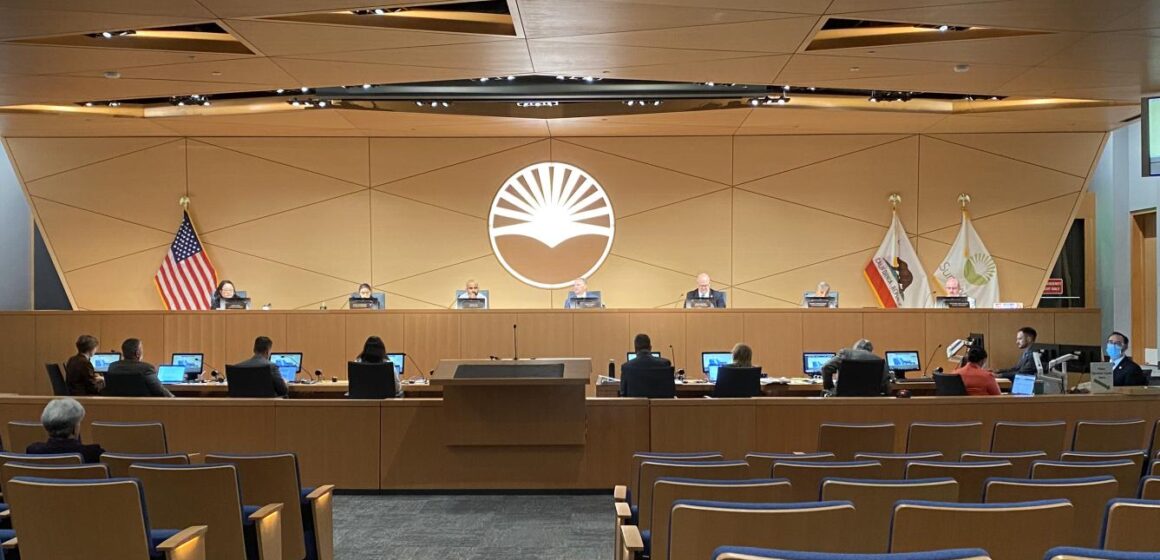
column 56, row 336
column 664, row 329
column 148, row 327
column 19, row 366
column 828, row 330
column 681, row 426
column 1001, row 349
column 199, row 332
column 337, row 442
column 603, row 337
column 432, row 337
column 322, row 340
column 545, row 335
column 710, row 332
column 903, row 330
column 483, row 335
column 243, row 327
column 360, row 326
column 777, row 341
column 1079, row 328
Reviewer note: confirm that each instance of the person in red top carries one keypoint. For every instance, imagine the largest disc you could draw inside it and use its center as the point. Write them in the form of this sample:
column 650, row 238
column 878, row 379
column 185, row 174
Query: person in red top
column 979, row 382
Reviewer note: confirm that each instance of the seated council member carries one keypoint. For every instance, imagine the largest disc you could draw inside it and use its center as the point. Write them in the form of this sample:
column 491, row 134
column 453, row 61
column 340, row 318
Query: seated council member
column 132, row 365
column 644, row 360
column 471, row 291
column 62, row 420
column 261, row 358
column 225, row 291
column 366, row 292
column 1124, row 370
column 705, row 290
column 1024, row 338
column 978, row 381
column 579, row 291
column 79, row 374
column 375, row 352
column 861, row 350
column 954, row 289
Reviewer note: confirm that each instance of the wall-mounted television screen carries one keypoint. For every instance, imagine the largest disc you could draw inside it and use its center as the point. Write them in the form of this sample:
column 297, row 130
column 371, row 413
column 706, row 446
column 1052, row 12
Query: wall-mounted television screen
column 1150, row 136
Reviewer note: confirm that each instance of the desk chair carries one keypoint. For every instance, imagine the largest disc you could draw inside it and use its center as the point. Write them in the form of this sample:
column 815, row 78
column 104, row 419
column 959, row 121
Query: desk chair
column 746, row 553
column 1149, row 488
column 250, row 382
column 625, row 497
column 652, row 383
column 1089, row 496
column 131, row 437
column 874, row 501
column 737, row 382
column 860, row 378
column 949, row 385
column 651, row 471
column 1013, row 437
column 50, row 459
column 56, row 379
column 1130, row 525
column 847, row 440
column 371, row 381
column 1135, row 456
column 21, row 434
column 919, row 526
column 12, row 469
column 119, row 463
column 126, row 386
column 1074, row 553
column 806, row 478
column 1124, row 471
column 1102, row 435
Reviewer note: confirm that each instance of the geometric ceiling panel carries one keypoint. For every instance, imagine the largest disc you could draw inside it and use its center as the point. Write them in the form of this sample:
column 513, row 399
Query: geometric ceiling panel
column 769, row 36
column 266, row 281
column 330, row 237
column 122, row 283
column 666, row 237
column 551, row 55
column 320, row 73
column 44, row 59
column 392, row 159
column 289, row 39
column 1061, row 82
column 438, row 286
column 919, row 75
column 844, row 274
column 1027, row 50
column 340, row 158
column 1036, row 227
column 399, row 223
column 228, row 187
column 19, row 23
column 786, row 6
column 941, row 180
column 499, row 57
column 855, row 185
column 705, row 157
column 742, row 70
column 779, row 120
column 1052, row 150
column 569, row 18
column 103, row 237
column 1089, row 119
column 799, row 237
column 1115, row 52
column 760, row 157
column 40, row 157
column 470, row 186
column 258, row 72
column 141, row 187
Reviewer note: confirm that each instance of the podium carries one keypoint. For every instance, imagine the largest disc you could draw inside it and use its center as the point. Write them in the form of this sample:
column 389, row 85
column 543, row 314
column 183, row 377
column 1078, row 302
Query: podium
column 538, row 402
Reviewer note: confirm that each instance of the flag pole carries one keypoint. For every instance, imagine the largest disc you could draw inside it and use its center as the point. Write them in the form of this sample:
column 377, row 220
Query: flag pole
column 964, row 201
column 184, row 202
column 895, row 199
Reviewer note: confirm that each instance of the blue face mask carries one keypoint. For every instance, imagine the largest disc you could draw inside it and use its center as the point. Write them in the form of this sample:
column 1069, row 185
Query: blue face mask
column 1114, row 351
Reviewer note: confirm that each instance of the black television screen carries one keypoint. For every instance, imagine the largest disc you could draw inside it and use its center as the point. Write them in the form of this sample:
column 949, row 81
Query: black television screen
column 1150, row 136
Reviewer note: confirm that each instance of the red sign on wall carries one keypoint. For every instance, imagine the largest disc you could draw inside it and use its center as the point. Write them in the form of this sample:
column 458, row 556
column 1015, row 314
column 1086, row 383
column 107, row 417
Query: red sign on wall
column 1054, row 287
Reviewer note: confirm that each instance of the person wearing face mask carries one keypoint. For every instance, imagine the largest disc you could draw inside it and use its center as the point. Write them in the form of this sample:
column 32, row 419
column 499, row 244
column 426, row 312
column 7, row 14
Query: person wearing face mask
column 1124, row 370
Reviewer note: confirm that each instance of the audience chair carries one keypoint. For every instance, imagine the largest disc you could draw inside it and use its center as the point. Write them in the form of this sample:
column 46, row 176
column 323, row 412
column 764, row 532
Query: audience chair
column 131, row 437
column 894, row 464
column 1104, row 435
column 860, row 378
column 119, row 463
column 307, row 515
column 970, row 476
column 806, row 478
column 1088, row 496
column 650, row 471
column 761, row 464
column 179, row 496
column 1034, row 527
column 13, row 469
column 1124, row 471
column 93, row 519
column 847, row 440
column 371, row 381
column 874, row 501
column 629, row 492
column 1154, row 448
column 649, row 383
column 1132, row 525
column 1074, row 553
column 1020, row 460
column 1149, row 488
column 53, row 459
column 1015, row 437
column 56, row 379
column 949, row 385
column 252, row 382
column 949, row 438
column 1135, row 456
column 737, row 382
column 22, row 434
column 746, row 553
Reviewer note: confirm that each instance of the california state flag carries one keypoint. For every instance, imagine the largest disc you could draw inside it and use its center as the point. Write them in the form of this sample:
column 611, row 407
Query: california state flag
column 895, row 274
column 970, row 263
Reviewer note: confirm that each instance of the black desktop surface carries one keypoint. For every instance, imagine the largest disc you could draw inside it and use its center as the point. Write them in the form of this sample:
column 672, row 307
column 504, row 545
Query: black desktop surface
column 509, row 371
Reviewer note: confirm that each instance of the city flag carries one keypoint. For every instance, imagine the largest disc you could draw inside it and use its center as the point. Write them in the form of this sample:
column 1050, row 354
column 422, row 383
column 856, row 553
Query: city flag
column 971, row 264
column 895, row 275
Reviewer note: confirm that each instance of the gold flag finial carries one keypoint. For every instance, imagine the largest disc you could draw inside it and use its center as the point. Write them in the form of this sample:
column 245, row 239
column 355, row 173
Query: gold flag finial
column 895, row 199
column 964, row 200
column 184, row 202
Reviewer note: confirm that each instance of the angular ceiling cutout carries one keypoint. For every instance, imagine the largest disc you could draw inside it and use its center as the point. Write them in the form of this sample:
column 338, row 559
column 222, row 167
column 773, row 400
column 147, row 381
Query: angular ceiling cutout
column 288, row 39
column 104, row 237
column 1036, row 227
column 664, row 237
column 760, row 157
column 198, row 37
column 397, row 158
column 264, row 281
column 1059, row 151
column 770, row 36
column 844, row 274
column 499, row 57
column 24, row 23
column 843, row 33
column 39, row 157
column 473, row 17
column 397, row 256
column 708, row 158
column 341, row 158
column 123, row 283
column 504, row 290
column 569, row 18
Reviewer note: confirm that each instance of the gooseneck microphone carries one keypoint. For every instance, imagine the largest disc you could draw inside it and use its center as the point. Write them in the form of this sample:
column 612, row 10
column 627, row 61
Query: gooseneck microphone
column 515, row 342
column 417, row 368
column 932, row 354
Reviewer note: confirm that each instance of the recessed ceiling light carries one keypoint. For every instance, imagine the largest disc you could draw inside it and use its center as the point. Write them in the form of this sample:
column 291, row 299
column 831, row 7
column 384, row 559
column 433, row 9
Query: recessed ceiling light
column 215, row 73
column 112, row 74
column 855, row 69
column 960, row 68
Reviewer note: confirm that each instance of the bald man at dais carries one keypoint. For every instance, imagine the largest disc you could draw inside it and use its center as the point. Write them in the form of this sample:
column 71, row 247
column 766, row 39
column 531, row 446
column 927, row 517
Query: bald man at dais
column 705, row 295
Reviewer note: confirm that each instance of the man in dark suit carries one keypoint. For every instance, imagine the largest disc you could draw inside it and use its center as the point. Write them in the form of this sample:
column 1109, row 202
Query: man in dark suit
column 705, row 291
column 644, row 361
column 132, row 377
column 79, row 374
column 62, row 420
column 1024, row 338
column 261, row 358
column 1124, row 370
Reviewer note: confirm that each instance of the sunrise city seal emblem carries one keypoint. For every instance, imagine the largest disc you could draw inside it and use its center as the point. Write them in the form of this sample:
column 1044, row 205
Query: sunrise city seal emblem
column 551, row 223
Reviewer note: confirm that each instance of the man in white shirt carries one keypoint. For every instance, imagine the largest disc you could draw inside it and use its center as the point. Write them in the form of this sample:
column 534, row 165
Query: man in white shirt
column 471, row 291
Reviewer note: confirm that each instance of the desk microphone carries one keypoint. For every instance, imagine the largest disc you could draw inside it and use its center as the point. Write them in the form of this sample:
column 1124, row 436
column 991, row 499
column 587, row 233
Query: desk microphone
column 515, row 343
column 493, row 358
column 417, row 368
column 318, row 376
column 932, row 354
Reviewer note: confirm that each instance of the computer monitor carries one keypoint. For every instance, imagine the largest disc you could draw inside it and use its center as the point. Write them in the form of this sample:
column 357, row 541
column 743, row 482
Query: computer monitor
column 710, row 361
column 903, row 361
column 953, row 302
column 1047, row 352
column 193, row 363
column 812, row 362
column 363, row 303
column 289, row 364
column 399, row 361
column 101, row 361
column 1086, row 355
column 976, row 340
column 171, row 373
column 811, row 299
column 632, row 355
column 235, row 303
column 589, row 302
column 1024, row 384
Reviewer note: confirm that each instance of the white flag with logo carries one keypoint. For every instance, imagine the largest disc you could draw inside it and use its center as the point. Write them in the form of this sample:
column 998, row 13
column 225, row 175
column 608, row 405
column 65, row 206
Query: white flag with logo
column 895, row 275
column 971, row 264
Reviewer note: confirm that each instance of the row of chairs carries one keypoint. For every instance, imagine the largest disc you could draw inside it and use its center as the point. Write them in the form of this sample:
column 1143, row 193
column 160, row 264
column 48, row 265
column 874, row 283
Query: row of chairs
column 1058, row 553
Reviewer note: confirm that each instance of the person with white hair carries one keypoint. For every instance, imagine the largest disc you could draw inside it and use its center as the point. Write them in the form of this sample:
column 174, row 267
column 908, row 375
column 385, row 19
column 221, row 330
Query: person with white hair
column 62, row 420
column 862, row 350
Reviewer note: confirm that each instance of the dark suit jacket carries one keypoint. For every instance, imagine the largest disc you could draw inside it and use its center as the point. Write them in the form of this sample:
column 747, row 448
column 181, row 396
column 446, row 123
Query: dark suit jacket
column 1026, row 365
column 80, row 376
column 275, row 377
column 644, row 360
column 718, row 297
column 134, row 368
column 90, row 453
column 1128, row 373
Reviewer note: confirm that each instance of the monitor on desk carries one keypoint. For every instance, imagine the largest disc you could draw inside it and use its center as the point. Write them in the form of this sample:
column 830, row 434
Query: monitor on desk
column 976, row 340
column 953, row 302
column 812, row 300
column 398, row 360
column 193, row 363
column 632, row 355
column 812, row 362
column 904, row 361
column 1085, row 356
column 235, row 303
column 711, row 361
column 587, row 302
column 289, row 364
column 171, row 373
column 101, row 361
column 1024, row 384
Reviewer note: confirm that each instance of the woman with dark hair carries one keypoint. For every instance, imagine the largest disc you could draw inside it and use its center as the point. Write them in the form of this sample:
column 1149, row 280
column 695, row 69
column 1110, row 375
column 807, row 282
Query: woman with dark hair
column 375, row 352
column 224, row 292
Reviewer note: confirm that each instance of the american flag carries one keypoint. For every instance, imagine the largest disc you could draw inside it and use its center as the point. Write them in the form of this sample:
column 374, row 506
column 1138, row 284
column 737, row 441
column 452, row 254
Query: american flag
column 186, row 279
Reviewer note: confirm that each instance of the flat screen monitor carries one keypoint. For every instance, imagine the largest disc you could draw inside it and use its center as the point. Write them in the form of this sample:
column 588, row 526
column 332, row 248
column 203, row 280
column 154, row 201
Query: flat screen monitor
column 1086, row 355
column 1047, row 352
column 171, row 373
column 700, row 303
column 193, row 363
column 1024, row 384
column 710, row 361
column 363, row 303
column 812, row 362
column 953, row 302
column 235, row 303
column 589, row 302
column 289, row 364
column 632, row 355
column 101, row 361
column 976, row 340
column 398, row 360
column 1150, row 136
column 903, row 361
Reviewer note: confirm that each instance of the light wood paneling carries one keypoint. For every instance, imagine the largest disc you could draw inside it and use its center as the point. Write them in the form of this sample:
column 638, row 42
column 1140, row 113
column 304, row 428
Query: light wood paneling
column 603, row 337
column 829, row 330
column 198, row 332
column 708, row 332
column 664, row 329
column 56, row 336
column 1077, row 329
column 337, row 442
column 432, row 337
column 148, row 327
column 19, row 364
column 322, row 340
column 243, row 327
column 1001, row 349
column 360, row 326
column 485, row 335
column 776, row 341
column 545, row 335
column 896, row 331
column 725, row 426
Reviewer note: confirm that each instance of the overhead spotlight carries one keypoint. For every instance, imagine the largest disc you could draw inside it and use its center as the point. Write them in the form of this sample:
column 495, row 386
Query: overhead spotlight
column 484, row 79
column 294, row 102
column 88, row 103
column 710, row 84
column 510, row 78
column 873, row 97
column 304, row 89
column 589, row 79
column 111, row 34
column 114, row 104
column 379, row 11
column 782, row 100
column 994, row 98
column 419, row 103
column 754, row 102
column 279, row 91
column 812, row 88
column 366, row 86
column 561, row 77
column 785, row 88
column 322, row 104
column 944, row 27
column 630, row 102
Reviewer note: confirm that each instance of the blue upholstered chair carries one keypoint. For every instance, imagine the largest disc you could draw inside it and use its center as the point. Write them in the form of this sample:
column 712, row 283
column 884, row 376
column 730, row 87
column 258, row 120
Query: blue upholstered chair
column 807, row 477
column 1130, row 524
column 1089, row 496
column 761, row 464
column 697, row 527
column 1073, row 553
column 737, row 382
column 626, row 496
column 1041, row 525
column 1149, row 488
column 745, row 553
column 1124, row 470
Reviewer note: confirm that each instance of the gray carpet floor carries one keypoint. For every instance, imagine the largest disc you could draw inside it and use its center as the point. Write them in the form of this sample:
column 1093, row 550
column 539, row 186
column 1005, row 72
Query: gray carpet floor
column 473, row 527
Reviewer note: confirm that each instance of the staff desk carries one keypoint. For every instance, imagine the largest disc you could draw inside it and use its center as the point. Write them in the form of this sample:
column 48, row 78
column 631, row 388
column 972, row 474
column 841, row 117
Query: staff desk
column 793, row 387
column 321, row 390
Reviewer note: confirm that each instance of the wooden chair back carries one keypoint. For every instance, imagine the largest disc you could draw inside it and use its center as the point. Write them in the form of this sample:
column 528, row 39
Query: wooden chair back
column 650, row 471
column 13, row 469
column 638, row 458
column 738, row 553
column 1136, row 456
column 1108, row 435
column 196, row 495
column 761, row 464
column 1131, row 525
column 668, row 491
column 894, row 464
column 847, row 440
column 806, row 478
column 1089, row 497
column 119, row 463
column 272, row 479
column 1124, row 471
column 1150, row 488
column 54, row 459
column 1041, row 526
column 874, row 501
column 21, row 434
column 105, row 519
column 1016, row 437
column 949, row 438
column 970, row 476
column 697, row 528
column 1020, row 460
column 131, row 437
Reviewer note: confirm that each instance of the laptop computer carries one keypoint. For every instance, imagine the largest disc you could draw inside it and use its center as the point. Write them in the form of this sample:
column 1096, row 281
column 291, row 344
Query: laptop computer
column 812, row 362
column 712, row 361
column 289, row 364
column 1024, row 384
column 192, row 362
column 101, row 361
column 632, row 355
column 398, row 360
column 171, row 373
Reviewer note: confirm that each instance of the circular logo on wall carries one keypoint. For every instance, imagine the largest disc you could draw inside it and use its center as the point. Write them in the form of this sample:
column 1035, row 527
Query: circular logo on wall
column 551, row 223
